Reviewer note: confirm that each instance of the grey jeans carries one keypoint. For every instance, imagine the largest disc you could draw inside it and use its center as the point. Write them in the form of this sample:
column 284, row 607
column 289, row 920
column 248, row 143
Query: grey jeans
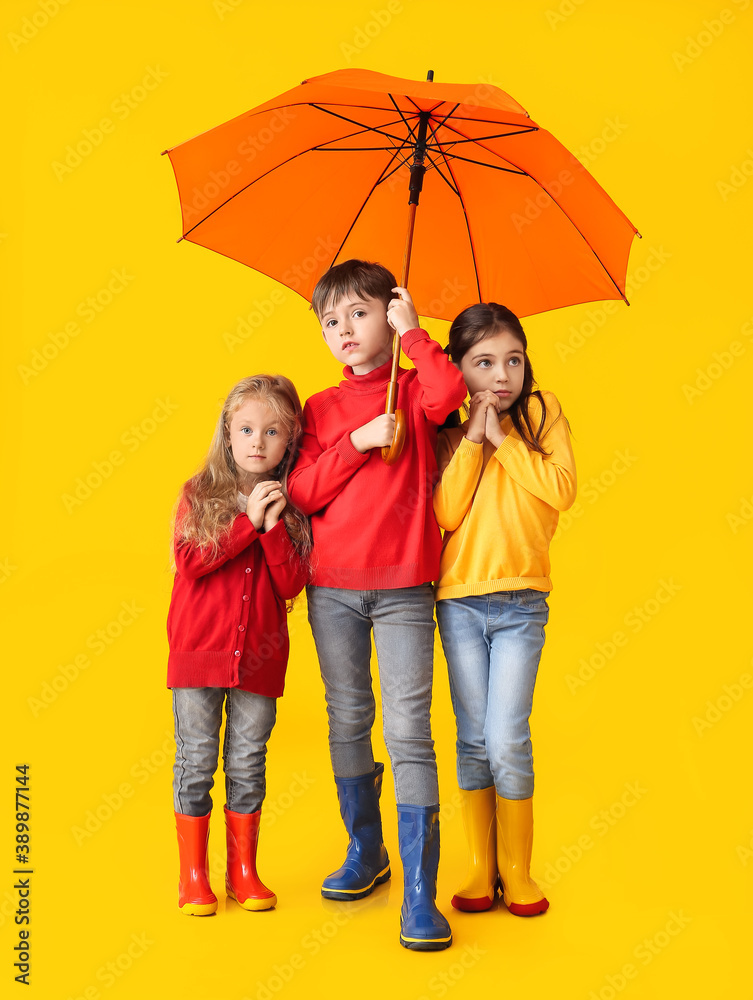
column 403, row 625
column 198, row 716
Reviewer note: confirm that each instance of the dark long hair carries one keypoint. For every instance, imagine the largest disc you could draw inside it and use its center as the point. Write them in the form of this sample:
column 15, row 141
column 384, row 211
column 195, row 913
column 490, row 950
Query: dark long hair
column 487, row 319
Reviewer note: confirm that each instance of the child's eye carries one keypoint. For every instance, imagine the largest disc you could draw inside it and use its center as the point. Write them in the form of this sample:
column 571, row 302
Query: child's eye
column 515, row 362
column 245, row 430
column 359, row 312
column 329, row 323
column 484, row 364
column 272, row 431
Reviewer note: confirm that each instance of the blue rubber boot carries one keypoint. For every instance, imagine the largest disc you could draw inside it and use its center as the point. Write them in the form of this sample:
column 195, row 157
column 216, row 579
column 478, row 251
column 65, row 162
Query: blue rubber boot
column 422, row 926
column 366, row 864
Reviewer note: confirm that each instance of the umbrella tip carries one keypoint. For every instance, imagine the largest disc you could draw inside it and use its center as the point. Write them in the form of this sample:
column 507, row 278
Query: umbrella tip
column 430, row 76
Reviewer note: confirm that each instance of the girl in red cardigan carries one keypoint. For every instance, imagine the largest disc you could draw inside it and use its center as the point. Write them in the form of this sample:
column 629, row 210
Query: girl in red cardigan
column 241, row 552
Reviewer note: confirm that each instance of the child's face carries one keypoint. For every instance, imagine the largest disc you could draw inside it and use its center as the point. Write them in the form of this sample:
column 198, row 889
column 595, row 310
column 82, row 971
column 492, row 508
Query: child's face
column 496, row 363
column 257, row 438
column 357, row 332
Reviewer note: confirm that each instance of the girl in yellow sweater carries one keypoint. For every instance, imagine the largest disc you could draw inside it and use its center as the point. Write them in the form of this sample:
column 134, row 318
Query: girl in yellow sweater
column 505, row 475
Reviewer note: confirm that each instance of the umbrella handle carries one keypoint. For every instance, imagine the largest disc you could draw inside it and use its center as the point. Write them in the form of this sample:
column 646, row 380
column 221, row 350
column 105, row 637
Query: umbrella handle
column 390, row 455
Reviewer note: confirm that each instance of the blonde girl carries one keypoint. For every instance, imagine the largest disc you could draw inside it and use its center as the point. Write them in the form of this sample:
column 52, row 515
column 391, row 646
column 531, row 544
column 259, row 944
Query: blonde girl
column 505, row 476
column 240, row 553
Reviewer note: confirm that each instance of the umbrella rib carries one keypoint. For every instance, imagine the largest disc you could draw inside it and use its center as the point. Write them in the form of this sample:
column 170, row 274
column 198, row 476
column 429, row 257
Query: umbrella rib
column 407, row 124
column 354, row 149
column 492, row 121
column 488, row 166
column 363, row 204
column 449, row 183
column 374, row 107
column 520, row 170
column 245, row 187
column 517, row 170
column 368, row 128
column 483, row 138
column 351, row 135
column 465, row 216
column 261, row 177
column 405, row 162
column 422, row 110
column 278, row 166
column 439, row 124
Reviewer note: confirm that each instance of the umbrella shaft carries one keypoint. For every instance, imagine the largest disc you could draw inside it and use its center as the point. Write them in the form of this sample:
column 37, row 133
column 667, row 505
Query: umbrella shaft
column 418, row 169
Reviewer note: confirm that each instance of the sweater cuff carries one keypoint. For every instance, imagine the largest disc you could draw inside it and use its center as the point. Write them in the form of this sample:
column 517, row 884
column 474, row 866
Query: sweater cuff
column 469, row 449
column 507, row 447
column 411, row 337
column 242, row 533
column 348, row 453
column 276, row 544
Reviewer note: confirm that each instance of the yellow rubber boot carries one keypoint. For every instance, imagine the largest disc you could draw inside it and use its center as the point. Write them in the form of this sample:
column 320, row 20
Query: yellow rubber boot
column 514, row 843
column 478, row 809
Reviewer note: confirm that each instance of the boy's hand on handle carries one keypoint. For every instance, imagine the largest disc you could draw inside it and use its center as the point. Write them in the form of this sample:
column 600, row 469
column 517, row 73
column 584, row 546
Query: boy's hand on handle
column 401, row 313
column 482, row 404
column 262, row 495
column 377, row 433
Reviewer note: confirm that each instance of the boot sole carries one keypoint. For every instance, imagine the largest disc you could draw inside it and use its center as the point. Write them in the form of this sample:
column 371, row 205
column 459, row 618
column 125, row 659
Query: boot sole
column 528, row 909
column 472, row 905
column 198, row 909
column 419, row 944
column 254, row 903
column 347, row 894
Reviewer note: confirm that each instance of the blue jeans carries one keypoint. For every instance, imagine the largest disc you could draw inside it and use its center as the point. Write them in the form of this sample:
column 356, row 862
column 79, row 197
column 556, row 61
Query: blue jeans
column 198, row 717
column 493, row 646
column 403, row 624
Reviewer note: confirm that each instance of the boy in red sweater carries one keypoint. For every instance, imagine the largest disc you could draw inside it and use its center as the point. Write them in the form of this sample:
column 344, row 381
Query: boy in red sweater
column 376, row 551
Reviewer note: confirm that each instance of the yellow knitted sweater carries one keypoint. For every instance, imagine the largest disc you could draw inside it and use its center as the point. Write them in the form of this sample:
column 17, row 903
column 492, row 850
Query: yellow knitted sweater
column 499, row 508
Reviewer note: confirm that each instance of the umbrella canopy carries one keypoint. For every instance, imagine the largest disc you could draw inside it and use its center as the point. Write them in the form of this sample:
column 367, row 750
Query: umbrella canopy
column 320, row 175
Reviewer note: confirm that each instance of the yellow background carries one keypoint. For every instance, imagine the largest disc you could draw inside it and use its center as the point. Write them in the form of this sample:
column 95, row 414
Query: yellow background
column 658, row 106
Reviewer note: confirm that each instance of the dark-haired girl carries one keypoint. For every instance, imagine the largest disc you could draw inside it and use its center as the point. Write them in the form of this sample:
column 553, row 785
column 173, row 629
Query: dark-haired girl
column 505, row 475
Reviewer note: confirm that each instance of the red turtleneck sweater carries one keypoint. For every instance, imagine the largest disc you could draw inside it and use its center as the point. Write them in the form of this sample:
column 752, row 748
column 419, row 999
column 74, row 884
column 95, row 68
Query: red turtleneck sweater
column 373, row 524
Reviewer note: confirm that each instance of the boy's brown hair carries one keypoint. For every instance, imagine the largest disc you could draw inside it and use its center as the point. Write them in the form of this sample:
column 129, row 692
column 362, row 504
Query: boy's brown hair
column 365, row 278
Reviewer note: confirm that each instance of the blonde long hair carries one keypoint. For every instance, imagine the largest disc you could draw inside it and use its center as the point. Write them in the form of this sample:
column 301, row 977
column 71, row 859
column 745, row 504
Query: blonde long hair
column 208, row 503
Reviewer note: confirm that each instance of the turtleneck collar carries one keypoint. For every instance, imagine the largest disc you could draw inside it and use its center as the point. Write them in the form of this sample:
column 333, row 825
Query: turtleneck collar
column 372, row 381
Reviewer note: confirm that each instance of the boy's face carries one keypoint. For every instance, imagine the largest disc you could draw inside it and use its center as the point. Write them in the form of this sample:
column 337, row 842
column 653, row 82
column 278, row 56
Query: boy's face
column 357, row 332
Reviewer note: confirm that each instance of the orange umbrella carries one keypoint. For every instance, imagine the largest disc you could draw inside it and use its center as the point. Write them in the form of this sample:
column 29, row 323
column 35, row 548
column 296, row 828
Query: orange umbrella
column 321, row 174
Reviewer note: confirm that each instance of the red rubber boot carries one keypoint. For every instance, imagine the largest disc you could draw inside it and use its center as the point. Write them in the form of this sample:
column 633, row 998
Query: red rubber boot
column 241, row 882
column 195, row 896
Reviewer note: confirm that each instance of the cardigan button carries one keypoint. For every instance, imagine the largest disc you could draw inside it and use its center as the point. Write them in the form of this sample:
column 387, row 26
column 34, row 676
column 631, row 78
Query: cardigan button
column 248, row 569
column 237, row 652
column 246, row 597
column 241, row 628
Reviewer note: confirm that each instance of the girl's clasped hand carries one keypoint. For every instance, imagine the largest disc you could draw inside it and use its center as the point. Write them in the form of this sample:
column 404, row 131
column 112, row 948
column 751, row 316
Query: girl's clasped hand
column 265, row 504
column 483, row 418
